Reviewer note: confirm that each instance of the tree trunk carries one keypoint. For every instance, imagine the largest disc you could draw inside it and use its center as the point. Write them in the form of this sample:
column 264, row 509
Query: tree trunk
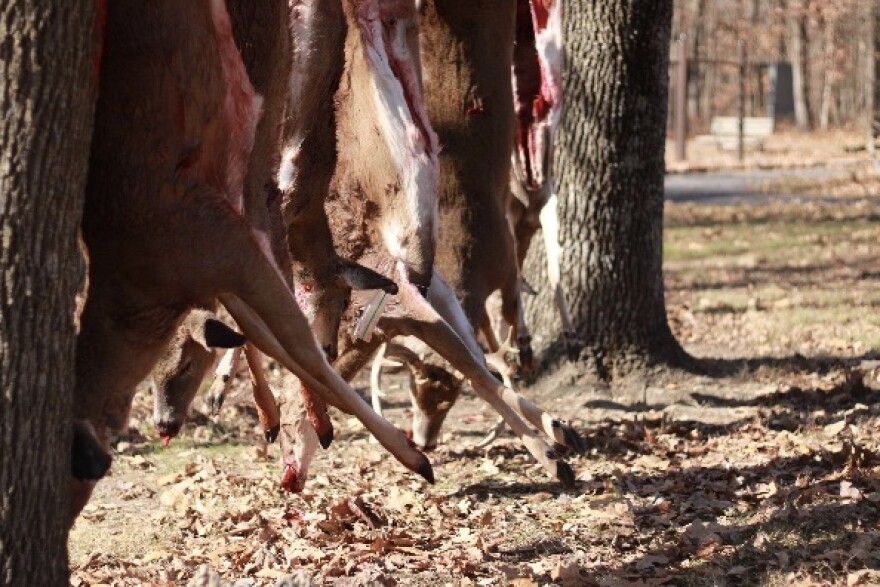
column 47, row 99
column 610, row 164
column 798, row 51
column 695, row 77
column 872, row 80
column 828, row 48
column 707, row 107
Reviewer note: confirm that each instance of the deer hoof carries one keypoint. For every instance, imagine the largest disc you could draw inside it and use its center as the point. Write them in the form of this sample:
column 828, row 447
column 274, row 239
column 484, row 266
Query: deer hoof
column 88, row 461
column 572, row 345
column 574, row 440
column 325, row 437
column 426, row 471
column 215, row 402
column 272, row 433
column 565, row 474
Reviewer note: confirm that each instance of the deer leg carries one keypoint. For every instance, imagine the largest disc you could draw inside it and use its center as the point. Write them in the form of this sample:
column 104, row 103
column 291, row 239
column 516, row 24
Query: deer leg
column 427, row 325
column 267, row 409
column 325, row 381
column 444, row 301
column 549, row 219
column 514, row 315
column 264, row 306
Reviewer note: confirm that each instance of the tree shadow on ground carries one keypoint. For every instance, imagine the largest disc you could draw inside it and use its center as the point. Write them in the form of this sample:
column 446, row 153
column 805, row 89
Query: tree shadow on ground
column 721, row 524
column 792, row 364
column 812, row 511
column 868, row 215
column 748, row 553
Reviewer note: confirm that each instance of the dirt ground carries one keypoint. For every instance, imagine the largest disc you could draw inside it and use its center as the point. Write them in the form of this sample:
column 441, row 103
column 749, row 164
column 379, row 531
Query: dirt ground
column 765, row 473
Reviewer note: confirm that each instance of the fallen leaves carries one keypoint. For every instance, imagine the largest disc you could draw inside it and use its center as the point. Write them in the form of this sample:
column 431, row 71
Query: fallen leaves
column 790, row 489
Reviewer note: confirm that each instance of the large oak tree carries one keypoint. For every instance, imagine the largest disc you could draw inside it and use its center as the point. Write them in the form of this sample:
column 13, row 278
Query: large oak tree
column 46, row 105
column 609, row 169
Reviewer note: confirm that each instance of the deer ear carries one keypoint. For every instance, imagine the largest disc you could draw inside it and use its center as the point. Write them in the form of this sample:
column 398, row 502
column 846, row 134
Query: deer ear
column 218, row 335
column 357, row 276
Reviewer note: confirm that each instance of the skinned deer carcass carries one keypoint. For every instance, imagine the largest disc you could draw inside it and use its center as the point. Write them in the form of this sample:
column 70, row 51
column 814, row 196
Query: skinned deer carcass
column 364, row 190
column 323, row 281
column 466, row 61
column 260, row 34
column 165, row 223
column 386, row 121
column 537, row 90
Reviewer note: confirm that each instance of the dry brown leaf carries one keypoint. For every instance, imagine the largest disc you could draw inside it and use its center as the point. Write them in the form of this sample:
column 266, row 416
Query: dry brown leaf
column 847, row 489
column 273, row 574
column 835, row 428
column 863, row 577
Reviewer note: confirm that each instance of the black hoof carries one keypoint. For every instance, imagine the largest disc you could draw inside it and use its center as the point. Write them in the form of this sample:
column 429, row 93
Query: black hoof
column 574, row 440
column 572, row 346
column 565, row 474
column 215, row 402
column 88, row 461
column 526, row 359
column 427, row 471
column 272, row 433
column 326, row 439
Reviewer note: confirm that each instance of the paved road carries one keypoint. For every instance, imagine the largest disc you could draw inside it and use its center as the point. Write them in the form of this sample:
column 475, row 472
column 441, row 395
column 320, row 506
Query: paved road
column 736, row 187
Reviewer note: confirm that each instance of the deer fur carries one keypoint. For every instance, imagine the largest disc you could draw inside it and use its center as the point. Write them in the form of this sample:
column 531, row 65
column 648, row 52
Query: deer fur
column 165, row 222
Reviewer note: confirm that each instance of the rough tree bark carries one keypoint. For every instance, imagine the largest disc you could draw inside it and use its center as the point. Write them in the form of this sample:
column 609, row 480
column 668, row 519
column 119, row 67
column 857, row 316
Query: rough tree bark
column 828, row 81
column 47, row 100
column 872, row 79
column 798, row 51
column 710, row 17
column 696, row 68
column 609, row 168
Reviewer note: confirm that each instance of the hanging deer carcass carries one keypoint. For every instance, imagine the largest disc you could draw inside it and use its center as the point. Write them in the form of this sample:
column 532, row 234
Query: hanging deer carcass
column 165, row 222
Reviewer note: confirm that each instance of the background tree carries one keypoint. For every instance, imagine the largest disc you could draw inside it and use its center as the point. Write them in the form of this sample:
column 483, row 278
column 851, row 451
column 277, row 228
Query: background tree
column 47, row 102
column 609, row 167
column 824, row 41
column 871, row 44
column 798, row 52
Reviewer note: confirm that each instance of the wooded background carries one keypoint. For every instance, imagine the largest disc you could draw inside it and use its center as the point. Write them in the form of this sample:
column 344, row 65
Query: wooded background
column 829, row 43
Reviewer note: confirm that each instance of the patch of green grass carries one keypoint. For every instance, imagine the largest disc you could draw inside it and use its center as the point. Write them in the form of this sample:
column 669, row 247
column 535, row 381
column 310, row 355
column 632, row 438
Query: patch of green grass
column 771, row 241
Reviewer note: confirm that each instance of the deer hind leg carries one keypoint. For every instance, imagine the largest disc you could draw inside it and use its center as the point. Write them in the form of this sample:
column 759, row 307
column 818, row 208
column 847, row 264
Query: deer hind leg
column 549, row 218
column 267, row 409
column 427, row 325
column 447, row 306
column 234, row 259
column 514, row 315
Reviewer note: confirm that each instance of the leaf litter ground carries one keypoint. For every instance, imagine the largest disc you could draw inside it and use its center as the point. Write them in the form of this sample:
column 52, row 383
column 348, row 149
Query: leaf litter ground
column 766, row 472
